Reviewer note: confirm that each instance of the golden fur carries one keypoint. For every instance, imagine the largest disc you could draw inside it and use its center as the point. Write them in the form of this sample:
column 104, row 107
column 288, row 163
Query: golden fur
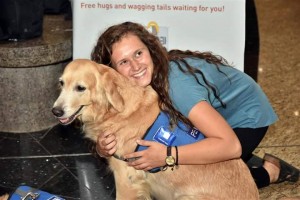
column 4, row 197
column 110, row 102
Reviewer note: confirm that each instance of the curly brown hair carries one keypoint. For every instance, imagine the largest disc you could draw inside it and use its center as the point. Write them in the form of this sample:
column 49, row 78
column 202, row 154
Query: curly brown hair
column 160, row 56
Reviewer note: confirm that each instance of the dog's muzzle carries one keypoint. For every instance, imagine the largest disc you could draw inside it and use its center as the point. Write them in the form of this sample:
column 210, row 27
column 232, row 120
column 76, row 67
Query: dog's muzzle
column 58, row 112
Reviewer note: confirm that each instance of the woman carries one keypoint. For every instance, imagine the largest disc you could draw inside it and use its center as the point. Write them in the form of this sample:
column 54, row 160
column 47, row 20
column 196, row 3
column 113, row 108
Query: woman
column 201, row 89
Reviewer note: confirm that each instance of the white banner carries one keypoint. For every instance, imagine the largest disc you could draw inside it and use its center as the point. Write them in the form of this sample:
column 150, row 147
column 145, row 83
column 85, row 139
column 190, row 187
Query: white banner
column 204, row 25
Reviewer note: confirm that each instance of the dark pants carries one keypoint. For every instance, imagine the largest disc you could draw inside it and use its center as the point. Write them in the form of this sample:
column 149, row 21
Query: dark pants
column 250, row 139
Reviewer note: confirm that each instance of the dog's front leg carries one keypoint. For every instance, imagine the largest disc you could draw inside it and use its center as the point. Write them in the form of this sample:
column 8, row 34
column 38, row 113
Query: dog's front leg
column 124, row 189
column 127, row 181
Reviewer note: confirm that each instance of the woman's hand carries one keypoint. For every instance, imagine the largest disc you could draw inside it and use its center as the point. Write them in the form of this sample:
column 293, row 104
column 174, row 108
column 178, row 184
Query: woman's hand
column 154, row 156
column 106, row 145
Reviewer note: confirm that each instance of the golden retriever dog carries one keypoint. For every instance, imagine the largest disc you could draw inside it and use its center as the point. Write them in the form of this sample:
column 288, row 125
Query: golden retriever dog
column 104, row 100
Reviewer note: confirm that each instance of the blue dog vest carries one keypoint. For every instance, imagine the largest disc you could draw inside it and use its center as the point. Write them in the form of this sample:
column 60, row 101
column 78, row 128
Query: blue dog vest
column 160, row 132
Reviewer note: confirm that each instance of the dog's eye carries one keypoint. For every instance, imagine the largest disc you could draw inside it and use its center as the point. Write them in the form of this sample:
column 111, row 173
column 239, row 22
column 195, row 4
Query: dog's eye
column 80, row 88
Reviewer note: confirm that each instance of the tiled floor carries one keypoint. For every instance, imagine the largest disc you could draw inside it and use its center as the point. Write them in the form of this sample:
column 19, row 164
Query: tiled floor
column 58, row 160
column 278, row 75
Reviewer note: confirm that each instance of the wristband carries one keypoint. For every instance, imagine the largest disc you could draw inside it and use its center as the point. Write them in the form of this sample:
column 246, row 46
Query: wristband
column 176, row 149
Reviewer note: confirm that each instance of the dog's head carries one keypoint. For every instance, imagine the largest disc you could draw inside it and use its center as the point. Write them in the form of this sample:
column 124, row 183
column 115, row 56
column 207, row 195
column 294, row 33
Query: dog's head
column 88, row 91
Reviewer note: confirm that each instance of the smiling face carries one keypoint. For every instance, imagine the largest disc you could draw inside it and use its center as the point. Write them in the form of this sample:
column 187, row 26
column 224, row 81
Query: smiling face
column 131, row 58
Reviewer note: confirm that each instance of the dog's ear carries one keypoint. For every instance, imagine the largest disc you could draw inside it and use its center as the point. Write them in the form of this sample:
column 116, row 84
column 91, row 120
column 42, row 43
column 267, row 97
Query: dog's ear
column 113, row 94
column 112, row 88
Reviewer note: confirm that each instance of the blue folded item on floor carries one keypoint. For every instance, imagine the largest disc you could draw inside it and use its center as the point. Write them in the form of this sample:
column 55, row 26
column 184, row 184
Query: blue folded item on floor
column 29, row 193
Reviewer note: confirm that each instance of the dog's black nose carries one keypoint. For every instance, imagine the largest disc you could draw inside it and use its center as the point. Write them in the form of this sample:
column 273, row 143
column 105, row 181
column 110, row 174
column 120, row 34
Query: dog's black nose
column 58, row 112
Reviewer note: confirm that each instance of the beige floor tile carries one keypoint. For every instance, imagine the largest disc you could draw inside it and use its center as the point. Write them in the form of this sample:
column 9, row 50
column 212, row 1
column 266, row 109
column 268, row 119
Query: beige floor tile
column 279, row 69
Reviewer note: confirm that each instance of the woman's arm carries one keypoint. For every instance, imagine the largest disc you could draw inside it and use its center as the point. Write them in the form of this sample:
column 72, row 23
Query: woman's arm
column 220, row 143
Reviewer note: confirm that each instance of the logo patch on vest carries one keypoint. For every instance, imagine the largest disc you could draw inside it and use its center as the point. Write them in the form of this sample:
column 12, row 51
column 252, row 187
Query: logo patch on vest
column 165, row 136
column 194, row 133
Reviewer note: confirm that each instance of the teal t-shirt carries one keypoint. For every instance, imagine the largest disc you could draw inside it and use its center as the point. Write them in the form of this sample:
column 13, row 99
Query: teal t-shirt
column 246, row 104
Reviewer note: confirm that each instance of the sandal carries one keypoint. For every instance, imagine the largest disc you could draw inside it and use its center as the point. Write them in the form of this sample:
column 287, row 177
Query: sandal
column 287, row 171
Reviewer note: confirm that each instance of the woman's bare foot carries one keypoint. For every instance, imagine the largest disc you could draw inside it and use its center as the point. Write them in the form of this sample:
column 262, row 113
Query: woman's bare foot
column 272, row 170
column 280, row 170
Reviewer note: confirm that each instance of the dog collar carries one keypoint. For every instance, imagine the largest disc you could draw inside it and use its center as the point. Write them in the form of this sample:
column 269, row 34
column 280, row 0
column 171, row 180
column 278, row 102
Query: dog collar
column 124, row 159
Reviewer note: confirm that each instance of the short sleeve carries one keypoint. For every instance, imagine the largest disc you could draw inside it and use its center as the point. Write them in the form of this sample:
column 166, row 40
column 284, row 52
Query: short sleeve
column 184, row 90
